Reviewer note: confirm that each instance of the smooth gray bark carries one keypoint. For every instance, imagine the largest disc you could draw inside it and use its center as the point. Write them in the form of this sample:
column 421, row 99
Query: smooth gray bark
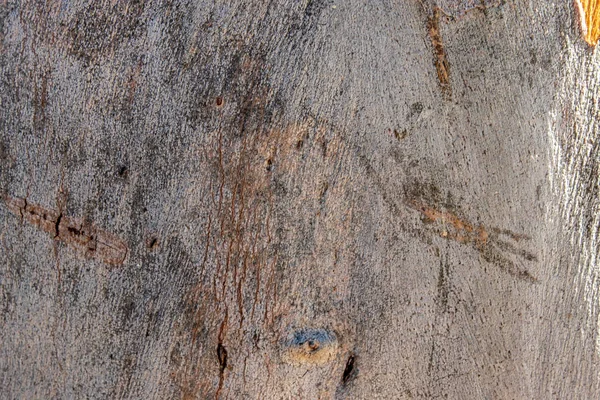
column 298, row 199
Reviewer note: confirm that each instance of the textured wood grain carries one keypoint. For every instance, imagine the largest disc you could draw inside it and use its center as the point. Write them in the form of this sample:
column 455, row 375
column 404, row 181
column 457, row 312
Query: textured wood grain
column 317, row 199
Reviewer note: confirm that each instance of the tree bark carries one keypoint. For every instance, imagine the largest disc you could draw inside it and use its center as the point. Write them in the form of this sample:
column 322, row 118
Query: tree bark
column 298, row 199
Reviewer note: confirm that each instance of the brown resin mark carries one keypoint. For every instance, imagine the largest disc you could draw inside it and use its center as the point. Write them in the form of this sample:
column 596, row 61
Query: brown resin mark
column 495, row 245
column 87, row 239
column 440, row 59
column 589, row 13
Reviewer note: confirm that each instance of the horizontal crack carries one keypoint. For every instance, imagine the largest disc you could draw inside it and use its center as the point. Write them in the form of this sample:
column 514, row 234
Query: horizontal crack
column 76, row 233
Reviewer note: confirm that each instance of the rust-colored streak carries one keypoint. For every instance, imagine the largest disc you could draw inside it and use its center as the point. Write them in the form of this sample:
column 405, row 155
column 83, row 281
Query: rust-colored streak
column 497, row 246
column 85, row 238
column 440, row 59
column 458, row 229
column 589, row 12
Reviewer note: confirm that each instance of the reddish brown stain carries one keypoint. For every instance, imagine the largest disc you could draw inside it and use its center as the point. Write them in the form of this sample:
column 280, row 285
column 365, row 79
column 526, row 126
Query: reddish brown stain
column 440, row 58
column 85, row 238
column 455, row 228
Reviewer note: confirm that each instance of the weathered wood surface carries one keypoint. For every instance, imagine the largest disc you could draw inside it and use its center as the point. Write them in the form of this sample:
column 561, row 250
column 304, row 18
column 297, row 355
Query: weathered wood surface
column 298, row 199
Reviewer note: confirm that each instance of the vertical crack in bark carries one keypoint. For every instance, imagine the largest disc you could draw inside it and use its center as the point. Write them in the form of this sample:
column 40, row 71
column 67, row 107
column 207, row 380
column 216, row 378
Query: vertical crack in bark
column 222, row 354
column 349, row 369
column 57, row 226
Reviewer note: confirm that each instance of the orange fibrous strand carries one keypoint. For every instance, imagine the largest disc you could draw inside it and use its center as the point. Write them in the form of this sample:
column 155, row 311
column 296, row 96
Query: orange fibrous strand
column 589, row 11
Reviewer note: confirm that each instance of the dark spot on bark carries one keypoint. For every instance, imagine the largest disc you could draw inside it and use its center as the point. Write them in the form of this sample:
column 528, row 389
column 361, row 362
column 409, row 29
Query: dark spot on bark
column 219, row 101
column 152, row 242
column 324, row 148
column 399, row 135
column 349, row 371
column 533, row 59
column 299, row 144
column 269, row 164
column 415, row 109
column 127, row 310
column 3, row 151
column 175, row 356
column 313, row 345
column 122, row 171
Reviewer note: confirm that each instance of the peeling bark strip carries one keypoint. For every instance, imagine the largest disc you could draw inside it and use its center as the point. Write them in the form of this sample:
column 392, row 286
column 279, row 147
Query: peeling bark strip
column 589, row 13
column 440, row 58
column 497, row 246
column 85, row 238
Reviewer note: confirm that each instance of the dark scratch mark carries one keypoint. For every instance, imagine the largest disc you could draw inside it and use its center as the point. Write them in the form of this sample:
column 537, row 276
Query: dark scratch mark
column 443, row 284
column 85, row 238
column 495, row 245
column 487, row 242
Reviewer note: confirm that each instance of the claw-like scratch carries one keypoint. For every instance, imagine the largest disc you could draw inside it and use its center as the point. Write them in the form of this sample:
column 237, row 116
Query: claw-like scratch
column 489, row 242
